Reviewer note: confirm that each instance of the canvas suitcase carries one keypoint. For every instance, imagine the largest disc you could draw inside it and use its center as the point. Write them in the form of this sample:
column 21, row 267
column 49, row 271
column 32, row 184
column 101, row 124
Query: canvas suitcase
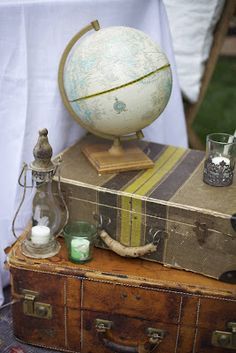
column 194, row 224
column 114, row 304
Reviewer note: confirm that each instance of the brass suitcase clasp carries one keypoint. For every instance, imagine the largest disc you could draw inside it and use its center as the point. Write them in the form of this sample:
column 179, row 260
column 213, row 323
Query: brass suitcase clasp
column 33, row 308
column 225, row 339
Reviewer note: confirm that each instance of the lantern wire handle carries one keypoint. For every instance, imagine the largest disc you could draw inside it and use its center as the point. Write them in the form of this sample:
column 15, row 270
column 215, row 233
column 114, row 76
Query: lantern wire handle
column 23, row 171
column 60, row 193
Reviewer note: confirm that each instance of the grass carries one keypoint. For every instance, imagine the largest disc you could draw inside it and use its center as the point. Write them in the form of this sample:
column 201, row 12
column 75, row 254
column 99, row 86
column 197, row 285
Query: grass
column 218, row 110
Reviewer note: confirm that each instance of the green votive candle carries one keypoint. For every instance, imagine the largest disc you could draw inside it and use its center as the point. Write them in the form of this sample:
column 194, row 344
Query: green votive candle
column 79, row 249
column 80, row 237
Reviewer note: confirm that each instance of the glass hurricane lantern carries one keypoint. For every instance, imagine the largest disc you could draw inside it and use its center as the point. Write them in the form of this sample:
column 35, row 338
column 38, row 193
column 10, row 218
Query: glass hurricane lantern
column 43, row 214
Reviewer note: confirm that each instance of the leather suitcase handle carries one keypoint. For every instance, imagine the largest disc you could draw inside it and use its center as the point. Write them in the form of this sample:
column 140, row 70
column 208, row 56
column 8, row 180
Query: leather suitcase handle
column 127, row 251
column 118, row 348
column 154, row 338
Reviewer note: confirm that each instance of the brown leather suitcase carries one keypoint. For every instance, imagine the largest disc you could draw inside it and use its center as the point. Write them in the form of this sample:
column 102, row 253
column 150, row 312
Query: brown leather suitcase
column 113, row 304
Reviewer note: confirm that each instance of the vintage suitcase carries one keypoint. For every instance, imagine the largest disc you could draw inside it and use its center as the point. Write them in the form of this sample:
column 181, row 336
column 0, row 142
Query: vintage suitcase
column 194, row 224
column 114, row 304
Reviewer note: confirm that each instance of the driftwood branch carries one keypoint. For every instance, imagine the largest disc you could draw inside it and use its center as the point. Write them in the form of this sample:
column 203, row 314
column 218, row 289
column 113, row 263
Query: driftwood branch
column 126, row 251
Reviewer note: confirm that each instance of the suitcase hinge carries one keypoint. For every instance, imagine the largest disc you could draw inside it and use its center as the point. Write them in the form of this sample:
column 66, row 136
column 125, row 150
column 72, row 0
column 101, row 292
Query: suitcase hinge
column 225, row 339
column 33, row 308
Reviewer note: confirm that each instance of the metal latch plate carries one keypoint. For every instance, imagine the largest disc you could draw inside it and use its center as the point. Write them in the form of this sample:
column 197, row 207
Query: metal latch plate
column 225, row 339
column 103, row 325
column 36, row 309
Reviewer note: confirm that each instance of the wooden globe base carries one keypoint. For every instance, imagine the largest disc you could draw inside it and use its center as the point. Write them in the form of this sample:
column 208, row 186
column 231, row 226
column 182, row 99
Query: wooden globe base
column 115, row 158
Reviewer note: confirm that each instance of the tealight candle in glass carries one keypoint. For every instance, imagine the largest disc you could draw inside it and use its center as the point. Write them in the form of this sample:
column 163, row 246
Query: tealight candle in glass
column 80, row 237
column 220, row 159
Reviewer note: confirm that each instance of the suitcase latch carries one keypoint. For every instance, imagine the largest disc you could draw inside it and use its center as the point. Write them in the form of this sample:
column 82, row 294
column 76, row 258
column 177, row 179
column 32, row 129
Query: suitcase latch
column 225, row 339
column 155, row 335
column 33, row 308
column 103, row 325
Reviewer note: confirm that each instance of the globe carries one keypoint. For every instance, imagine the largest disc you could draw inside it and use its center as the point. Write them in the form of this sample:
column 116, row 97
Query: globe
column 116, row 81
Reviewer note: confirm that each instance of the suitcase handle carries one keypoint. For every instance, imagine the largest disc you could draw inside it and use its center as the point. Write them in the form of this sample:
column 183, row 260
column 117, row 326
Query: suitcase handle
column 155, row 337
column 118, row 348
column 127, row 251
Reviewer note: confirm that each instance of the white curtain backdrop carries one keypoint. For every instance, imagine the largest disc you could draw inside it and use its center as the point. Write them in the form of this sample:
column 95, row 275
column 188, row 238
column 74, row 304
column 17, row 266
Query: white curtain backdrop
column 33, row 35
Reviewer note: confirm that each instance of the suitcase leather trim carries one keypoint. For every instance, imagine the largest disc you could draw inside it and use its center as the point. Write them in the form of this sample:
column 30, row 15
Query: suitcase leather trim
column 135, row 286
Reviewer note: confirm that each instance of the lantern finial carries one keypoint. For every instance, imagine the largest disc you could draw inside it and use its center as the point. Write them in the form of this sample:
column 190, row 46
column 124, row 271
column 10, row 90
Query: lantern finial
column 42, row 153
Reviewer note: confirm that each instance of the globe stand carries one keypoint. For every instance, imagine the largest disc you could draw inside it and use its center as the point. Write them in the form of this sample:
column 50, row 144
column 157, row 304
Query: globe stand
column 116, row 158
column 117, row 149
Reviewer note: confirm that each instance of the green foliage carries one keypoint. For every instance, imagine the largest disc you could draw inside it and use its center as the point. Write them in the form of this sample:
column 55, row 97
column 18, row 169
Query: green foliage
column 218, row 110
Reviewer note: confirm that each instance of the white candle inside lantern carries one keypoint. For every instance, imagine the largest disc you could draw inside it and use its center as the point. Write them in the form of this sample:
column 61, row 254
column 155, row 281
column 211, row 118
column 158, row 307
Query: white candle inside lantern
column 219, row 159
column 40, row 235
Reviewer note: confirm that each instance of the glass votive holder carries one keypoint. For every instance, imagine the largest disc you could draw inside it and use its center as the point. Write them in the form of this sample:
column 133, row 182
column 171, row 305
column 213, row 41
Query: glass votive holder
column 220, row 159
column 79, row 238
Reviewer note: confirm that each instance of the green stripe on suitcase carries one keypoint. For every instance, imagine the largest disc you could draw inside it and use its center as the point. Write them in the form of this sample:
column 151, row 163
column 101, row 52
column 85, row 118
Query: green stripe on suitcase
column 177, row 178
column 146, row 188
column 141, row 186
column 122, row 180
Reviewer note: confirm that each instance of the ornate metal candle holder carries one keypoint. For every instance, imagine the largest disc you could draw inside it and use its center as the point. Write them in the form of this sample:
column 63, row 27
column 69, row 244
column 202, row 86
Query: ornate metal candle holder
column 220, row 159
